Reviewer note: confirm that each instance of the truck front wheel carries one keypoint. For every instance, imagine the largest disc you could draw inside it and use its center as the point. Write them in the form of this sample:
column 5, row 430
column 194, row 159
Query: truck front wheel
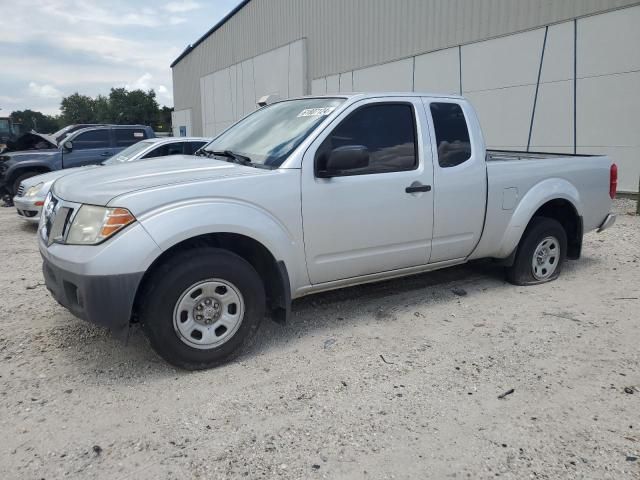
column 202, row 307
column 541, row 253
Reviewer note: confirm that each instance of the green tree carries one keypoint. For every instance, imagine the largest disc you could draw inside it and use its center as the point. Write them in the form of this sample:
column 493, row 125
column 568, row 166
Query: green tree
column 78, row 108
column 164, row 119
column 135, row 106
column 121, row 107
column 102, row 110
column 38, row 121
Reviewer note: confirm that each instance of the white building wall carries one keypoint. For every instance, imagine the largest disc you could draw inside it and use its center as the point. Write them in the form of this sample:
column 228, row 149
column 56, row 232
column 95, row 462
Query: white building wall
column 500, row 76
column 181, row 123
column 231, row 93
column 438, row 72
column 608, row 90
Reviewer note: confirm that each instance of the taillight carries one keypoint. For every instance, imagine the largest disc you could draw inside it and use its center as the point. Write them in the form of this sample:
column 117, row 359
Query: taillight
column 613, row 181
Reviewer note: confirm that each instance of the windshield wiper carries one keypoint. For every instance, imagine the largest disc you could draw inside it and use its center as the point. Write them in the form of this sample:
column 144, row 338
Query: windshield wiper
column 237, row 158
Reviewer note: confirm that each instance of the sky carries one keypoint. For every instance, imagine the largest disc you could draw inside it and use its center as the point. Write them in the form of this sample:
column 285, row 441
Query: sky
column 53, row 48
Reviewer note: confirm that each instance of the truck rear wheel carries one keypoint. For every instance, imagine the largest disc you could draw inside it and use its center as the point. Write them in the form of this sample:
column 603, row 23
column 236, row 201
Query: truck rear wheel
column 541, row 253
column 202, row 307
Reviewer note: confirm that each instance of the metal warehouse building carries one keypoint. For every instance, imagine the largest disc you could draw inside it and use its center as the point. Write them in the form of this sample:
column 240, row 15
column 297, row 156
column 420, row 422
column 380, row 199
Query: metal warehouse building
column 554, row 75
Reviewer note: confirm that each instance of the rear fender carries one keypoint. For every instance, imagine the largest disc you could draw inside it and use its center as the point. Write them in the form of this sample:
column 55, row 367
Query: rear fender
column 538, row 195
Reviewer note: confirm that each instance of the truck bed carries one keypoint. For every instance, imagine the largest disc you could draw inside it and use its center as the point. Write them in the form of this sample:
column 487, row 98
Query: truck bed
column 514, row 178
column 505, row 155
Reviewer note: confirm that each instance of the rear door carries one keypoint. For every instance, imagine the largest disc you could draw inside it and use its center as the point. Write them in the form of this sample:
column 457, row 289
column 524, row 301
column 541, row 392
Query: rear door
column 90, row 147
column 460, row 179
column 370, row 219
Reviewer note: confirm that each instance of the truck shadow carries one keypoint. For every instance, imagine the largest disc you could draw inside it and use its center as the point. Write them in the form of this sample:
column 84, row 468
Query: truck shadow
column 29, row 228
column 333, row 309
column 107, row 357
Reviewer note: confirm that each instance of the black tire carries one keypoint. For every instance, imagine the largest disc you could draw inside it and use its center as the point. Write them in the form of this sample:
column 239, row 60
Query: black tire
column 177, row 275
column 20, row 178
column 540, row 228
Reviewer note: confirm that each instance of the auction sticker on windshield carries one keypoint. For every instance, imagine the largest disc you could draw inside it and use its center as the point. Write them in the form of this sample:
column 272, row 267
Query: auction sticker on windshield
column 316, row 112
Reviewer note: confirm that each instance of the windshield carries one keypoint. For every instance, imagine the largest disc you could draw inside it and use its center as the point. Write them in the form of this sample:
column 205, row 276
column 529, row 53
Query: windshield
column 268, row 136
column 60, row 134
column 128, row 153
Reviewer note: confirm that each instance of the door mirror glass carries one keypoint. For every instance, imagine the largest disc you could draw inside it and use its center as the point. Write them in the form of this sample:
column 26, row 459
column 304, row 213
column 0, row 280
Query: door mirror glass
column 343, row 160
column 68, row 146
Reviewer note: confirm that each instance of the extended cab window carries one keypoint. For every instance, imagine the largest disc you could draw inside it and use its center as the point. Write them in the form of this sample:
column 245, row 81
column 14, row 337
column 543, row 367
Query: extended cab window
column 385, row 133
column 128, row 136
column 452, row 134
column 92, row 139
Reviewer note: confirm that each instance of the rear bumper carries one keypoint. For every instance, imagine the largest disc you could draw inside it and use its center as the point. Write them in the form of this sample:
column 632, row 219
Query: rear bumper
column 609, row 220
column 27, row 208
column 105, row 300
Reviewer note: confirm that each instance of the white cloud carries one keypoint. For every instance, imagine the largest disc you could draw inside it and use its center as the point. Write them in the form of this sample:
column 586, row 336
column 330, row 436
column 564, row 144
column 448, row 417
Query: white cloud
column 44, row 91
column 181, row 6
column 146, row 82
column 142, row 83
column 98, row 45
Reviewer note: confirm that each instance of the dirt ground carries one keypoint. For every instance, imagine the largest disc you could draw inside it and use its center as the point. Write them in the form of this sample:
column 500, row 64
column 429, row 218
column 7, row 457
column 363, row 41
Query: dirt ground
column 394, row 380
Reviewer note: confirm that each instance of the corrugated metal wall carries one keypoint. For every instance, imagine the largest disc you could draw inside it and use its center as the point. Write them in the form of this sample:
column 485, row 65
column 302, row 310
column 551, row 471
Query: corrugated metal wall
column 345, row 35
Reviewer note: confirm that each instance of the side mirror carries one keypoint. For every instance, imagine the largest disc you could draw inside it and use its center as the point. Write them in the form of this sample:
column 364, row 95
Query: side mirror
column 68, row 146
column 343, row 159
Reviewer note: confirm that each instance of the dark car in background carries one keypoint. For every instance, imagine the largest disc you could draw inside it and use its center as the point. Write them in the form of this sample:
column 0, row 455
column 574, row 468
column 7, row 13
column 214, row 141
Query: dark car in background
column 75, row 147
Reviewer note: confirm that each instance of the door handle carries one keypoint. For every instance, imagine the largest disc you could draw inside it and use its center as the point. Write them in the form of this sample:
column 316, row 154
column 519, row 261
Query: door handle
column 417, row 187
column 105, row 154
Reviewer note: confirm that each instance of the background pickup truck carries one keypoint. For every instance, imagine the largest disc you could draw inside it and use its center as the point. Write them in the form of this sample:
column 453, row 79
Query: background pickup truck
column 302, row 196
column 85, row 146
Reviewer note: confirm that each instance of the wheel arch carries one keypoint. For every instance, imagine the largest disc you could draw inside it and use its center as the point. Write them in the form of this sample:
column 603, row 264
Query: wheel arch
column 554, row 198
column 21, row 170
column 273, row 272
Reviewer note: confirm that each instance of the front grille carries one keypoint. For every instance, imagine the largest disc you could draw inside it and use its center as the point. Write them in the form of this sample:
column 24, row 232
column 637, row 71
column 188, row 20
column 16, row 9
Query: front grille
column 56, row 218
column 20, row 191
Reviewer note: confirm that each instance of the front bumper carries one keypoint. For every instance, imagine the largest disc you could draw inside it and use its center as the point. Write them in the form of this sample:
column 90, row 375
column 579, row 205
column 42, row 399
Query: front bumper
column 27, row 208
column 98, row 283
column 609, row 220
column 106, row 300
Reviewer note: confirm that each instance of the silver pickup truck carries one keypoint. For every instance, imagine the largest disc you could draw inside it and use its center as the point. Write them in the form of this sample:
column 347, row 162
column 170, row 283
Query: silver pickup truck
column 302, row 196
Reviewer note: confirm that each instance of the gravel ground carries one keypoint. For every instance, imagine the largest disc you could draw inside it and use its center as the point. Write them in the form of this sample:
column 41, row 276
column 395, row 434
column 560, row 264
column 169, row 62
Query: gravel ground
column 395, row 380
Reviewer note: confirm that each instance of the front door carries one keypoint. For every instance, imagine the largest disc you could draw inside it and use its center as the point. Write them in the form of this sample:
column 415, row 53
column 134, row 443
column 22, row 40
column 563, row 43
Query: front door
column 375, row 217
column 91, row 147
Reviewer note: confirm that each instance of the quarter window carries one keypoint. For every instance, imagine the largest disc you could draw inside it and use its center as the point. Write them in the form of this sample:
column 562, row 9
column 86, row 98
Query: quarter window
column 452, row 134
column 387, row 131
column 91, row 139
column 128, row 136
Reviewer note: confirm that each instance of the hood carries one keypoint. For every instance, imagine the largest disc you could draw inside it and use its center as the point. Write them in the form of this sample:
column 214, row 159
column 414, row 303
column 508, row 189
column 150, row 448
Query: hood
column 50, row 177
column 32, row 141
column 98, row 186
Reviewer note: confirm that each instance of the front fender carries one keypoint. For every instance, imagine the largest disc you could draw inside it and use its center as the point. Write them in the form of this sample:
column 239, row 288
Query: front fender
column 538, row 195
column 23, row 163
column 178, row 222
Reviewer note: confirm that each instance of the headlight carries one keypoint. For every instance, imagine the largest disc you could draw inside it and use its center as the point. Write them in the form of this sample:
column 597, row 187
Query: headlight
column 33, row 191
column 92, row 224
